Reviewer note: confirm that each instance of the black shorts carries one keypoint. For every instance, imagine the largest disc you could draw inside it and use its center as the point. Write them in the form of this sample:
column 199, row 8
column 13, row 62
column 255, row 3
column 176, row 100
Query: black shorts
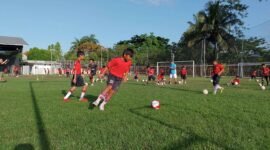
column 253, row 77
column 79, row 81
column 114, row 81
column 216, row 79
column 136, row 77
column 184, row 77
column 93, row 73
column 151, row 77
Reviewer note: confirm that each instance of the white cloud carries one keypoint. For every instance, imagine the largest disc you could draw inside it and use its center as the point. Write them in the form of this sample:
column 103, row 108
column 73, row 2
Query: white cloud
column 152, row 2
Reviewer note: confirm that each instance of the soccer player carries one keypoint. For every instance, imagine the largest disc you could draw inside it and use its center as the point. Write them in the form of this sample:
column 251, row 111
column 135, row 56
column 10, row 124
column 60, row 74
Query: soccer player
column 265, row 74
column 2, row 63
column 67, row 72
column 235, row 81
column 173, row 73
column 183, row 73
column 151, row 74
column 136, row 75
column 161, row 77
column 93, row 70
column 253, row 74
column 77, row 79
column 218, row 69
column 118, row 71
column 102, row 71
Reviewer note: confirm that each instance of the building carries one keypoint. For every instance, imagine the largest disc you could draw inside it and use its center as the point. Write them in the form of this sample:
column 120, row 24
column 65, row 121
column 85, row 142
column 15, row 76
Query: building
column 11, row 48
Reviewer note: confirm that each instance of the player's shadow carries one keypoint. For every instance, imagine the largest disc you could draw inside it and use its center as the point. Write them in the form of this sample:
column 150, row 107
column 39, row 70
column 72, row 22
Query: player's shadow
column 182, row 144
column 24, row 147
column 43, row 138
column 91, row 99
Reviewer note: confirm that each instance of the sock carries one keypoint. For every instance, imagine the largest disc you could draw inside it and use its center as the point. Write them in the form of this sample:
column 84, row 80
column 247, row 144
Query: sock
column 103, row 104
column 68, row 94
column 100, row 97
column 82, row 95
column 216, row 88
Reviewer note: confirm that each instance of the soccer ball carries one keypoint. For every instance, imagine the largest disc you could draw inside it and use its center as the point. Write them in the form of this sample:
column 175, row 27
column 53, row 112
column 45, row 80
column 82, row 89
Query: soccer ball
column 155, row 104
column 142, row 80
column 205, row 91
column 211, row 81
column 236, row 83
column 263, row 87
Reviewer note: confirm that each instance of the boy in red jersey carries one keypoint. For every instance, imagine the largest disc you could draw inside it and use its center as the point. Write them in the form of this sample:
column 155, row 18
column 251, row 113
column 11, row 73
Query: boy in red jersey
column 77, row 79
column 235, row 81
column 253, row 74
column 265, row 74
column 151, row 74
column 218, row 69
column 183, row 74
column 118, row 71
column 161, row 77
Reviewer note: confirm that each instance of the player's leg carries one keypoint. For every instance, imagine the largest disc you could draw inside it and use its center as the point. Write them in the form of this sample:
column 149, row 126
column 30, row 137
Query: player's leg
column 70, row 91
column 267, row 80
column 175, row 78
column 109, row 95
column 170, row 80
column 84, row 89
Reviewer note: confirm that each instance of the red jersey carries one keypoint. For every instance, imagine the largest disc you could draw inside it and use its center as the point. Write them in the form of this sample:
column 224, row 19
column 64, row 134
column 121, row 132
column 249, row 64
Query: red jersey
column 183, row 72
column 118, row 67
column 254, row 73
column 217, row 68
column 236, row 80
column 160, row 76
column 77, row 67
column 150, row 71
column 265, row 71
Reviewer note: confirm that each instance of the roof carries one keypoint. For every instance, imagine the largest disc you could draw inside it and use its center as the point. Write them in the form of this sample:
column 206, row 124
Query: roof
column 5, row 40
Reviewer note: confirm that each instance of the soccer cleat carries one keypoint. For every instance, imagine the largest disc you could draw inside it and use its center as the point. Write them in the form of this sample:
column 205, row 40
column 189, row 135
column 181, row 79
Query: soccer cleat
column 66, row 100
column 84, row 100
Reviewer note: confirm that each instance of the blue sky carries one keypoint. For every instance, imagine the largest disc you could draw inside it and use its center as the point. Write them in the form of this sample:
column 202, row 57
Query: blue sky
column 43, row 22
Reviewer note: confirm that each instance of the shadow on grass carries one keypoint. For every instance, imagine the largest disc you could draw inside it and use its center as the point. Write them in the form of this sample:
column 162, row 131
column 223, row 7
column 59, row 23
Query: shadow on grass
column 181, row 144
column 43, row 138
column 91, row 99
column 24, row 147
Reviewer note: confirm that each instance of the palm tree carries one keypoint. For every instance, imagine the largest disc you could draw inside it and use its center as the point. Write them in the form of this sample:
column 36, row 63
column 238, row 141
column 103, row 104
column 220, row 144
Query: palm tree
column 214, row 25
column 86, row 43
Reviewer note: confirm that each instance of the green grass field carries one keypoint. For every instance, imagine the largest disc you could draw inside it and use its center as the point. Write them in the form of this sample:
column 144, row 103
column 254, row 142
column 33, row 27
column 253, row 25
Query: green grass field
column 34, row 116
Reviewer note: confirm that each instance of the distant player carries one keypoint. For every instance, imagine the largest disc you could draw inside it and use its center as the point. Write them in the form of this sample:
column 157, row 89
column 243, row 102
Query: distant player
column 173, row 73
column 102, row 71
column 77, row 79
column 218, row 69
column 136, row 75
column 161, row 77
column 68, row 72
column 265, row 74
column 2, row 65
column 235, row 81
column 151, row 74
column 118, row 71
column 253, row 74
column 93, row 70
column 183, row 74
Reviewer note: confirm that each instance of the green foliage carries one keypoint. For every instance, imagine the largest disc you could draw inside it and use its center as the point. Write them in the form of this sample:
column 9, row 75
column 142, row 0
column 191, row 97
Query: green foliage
column 38, row 54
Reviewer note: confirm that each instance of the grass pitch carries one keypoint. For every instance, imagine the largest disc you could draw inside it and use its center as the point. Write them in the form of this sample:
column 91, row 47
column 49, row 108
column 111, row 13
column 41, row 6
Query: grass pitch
column 34, row 116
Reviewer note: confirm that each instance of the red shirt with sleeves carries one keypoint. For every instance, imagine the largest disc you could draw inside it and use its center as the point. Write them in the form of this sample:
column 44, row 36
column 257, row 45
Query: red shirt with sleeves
column 118, row 67
column 265, row 71
column 183, row 72
column 77, row 67
column 217, row 68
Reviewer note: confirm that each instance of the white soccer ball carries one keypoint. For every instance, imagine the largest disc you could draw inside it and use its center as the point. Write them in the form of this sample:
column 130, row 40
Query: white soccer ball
column 142, row 80
column 205, row 91
column 236, row 83
column 155, row 104
column 211, row 81
column 263, row 87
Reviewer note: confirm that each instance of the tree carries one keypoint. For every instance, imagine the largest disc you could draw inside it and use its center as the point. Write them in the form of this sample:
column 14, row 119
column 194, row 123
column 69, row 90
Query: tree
column 38, row 54
column 219, row 24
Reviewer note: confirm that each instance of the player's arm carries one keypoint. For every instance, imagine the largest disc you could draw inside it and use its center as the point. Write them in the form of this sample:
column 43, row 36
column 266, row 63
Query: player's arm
column 221, row 71
column 103, row 73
